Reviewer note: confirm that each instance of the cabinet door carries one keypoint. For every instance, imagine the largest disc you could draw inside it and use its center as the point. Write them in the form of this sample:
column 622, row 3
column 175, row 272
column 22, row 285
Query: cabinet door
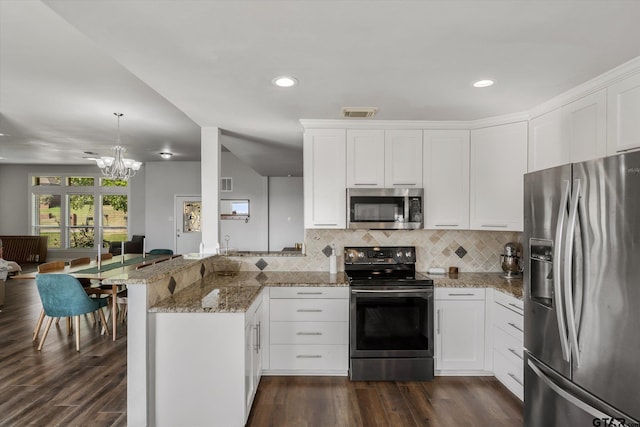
column 623, row 111
column 365, row 158
column 548, row 146
column 259, row 326
column 403, row 158
column 498, row 165
column 249, row 356
column 459, row 335
column 586, row 122
column 446, row 179
column 324, row 178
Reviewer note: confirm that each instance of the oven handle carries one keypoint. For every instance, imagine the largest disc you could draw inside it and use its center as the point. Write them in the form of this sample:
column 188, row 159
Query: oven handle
column 391, row 291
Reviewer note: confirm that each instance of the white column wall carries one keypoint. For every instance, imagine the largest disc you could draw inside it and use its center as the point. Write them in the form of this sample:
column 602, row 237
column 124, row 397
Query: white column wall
column 210, row 175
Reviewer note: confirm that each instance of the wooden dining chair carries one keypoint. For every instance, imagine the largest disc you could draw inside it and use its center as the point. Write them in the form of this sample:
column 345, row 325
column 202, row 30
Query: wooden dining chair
column 51, row 266
column 62, row 295
column 105, row 256
column 79, row 261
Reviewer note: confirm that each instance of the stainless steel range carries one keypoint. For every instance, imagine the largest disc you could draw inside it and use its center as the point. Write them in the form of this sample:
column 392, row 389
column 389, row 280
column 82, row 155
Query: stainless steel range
column 391, row 315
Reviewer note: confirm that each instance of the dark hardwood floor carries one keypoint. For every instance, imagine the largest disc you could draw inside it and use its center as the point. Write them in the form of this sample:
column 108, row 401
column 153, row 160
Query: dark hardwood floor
column 61, row 387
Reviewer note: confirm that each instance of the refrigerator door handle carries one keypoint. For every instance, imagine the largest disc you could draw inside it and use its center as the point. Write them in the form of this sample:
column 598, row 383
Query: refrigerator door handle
column 557, row 272
column 566, row 395
column 568, row 282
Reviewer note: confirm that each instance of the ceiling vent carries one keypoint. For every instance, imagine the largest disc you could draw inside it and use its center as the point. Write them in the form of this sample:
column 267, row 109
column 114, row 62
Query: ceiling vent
column 358, row 112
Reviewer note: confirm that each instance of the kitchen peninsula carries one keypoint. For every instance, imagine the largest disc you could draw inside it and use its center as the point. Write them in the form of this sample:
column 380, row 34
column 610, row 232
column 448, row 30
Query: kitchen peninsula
column 195, row 360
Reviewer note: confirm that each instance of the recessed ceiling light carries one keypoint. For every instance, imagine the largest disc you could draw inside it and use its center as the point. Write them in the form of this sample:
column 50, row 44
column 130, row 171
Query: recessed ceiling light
column 166, row 155
column 483, row 83
column 285, row 81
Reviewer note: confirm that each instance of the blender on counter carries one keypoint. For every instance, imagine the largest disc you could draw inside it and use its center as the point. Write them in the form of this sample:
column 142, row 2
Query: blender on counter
column 510, row 261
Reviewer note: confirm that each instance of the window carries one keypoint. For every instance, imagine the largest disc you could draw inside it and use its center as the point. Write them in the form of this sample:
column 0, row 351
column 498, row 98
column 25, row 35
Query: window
column 79, row 212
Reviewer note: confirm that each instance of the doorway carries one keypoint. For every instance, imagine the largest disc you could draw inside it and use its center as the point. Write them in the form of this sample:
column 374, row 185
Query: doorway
column 188, row 211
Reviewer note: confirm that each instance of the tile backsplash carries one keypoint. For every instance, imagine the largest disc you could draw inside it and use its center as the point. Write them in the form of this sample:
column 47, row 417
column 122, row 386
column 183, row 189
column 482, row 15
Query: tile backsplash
column 470, row 251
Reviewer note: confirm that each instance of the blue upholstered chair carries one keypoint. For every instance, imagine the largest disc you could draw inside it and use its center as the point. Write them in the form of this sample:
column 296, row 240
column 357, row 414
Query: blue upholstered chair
column 160, row 252
column 62, row 295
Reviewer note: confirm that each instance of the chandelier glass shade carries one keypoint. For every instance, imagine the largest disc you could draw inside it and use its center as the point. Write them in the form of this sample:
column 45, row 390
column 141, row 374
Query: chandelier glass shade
column 118, row 167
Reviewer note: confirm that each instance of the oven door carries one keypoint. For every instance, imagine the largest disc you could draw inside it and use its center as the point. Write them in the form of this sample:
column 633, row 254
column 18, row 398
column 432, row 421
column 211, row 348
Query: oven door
column 391, row 321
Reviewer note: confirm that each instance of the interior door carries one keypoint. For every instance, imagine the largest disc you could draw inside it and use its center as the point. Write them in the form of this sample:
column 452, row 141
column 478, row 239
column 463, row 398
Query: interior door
column 187, row 223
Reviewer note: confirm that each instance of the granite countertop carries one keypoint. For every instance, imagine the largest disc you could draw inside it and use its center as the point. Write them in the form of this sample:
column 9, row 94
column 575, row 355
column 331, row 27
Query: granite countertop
column 511, row 287
column 237, row 293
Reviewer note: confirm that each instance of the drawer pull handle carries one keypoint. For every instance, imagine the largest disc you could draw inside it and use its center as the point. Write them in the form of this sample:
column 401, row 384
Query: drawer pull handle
column 309, row 310
column 309, row 333
column 309, row 293
column 516, row 353
column 516, row 379
column 495, row 225
column 516, row 306
column 461, row 295
column 438, row 321
column 513, row 325
column 308, row 356
column 364, row 183
column 446, row 225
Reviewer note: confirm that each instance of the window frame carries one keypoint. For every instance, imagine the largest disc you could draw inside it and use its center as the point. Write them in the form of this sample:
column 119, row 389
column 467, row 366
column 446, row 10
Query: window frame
column 64, row 190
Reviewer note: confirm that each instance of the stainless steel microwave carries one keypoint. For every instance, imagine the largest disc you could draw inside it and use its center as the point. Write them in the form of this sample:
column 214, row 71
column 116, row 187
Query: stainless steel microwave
column 385, row 208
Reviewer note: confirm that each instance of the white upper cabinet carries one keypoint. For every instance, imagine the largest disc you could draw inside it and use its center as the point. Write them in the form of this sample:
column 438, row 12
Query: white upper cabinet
column 574, row 133
column 446, row 179
column 365, row 158
column 403, row 158
column 586, row 126
column 623, row 115
column 379, row 158
column 498, row 165
column 324, row 157
column 547, row 144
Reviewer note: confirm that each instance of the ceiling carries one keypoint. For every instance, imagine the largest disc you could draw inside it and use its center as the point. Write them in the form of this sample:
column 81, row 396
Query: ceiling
column 173, row 67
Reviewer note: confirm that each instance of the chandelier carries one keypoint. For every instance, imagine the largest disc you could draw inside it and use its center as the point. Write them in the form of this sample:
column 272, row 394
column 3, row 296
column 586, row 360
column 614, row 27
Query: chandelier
column 118, row 167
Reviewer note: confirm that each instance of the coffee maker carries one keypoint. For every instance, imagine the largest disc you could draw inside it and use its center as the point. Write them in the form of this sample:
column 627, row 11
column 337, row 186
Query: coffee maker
column 510, row 261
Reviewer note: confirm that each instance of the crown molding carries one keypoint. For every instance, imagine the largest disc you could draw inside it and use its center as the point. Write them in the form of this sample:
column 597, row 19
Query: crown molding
column 413, row 124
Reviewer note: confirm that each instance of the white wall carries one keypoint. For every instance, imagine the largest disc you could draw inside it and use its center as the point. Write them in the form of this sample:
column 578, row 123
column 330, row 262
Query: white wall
column 286, row 212
column 163, row 181
column 247, row 184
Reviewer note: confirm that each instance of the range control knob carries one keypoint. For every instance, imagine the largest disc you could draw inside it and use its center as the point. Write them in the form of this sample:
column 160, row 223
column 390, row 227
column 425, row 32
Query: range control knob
column 399, row 254
column 409, row 254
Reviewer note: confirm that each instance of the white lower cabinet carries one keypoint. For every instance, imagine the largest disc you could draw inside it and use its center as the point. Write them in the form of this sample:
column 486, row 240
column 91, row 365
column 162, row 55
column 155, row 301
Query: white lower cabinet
column 309, row 331
column 459, row 331
column 508, row 342
column 200, row 360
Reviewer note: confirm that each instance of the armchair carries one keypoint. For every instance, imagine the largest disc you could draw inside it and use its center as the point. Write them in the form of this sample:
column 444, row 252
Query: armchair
column 133, row 246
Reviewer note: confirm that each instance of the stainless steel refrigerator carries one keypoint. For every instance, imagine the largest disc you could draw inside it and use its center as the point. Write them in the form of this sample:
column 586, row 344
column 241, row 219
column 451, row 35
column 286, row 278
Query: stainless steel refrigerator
column 582, row 293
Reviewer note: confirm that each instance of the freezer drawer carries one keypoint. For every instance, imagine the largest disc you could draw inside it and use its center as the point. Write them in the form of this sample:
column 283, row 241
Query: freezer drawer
column 551, row 400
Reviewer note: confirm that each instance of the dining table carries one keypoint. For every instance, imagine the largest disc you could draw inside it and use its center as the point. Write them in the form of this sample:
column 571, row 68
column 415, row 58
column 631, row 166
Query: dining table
column 118, row 266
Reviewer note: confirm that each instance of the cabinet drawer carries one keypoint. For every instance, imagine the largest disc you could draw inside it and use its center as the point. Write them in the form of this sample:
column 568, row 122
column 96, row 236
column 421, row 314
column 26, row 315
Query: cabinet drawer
column 309, row 292
column 460, row 293
column 309, row 333
column 509, row 373
column 509, row 346
column 509, row 302
column 509, row 321
column 310, row 357
column 309, row 310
